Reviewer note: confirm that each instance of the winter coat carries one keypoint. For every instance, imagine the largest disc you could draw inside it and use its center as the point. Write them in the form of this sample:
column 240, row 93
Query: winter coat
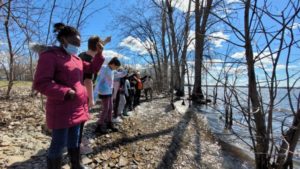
column 148, row 84
column 58, row 72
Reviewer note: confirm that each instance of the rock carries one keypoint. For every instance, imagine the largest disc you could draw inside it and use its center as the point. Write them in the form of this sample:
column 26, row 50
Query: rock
column 66, row 166
column 14, row 159
column 123, row 161
column 111, row 164
column 86, row 160
column 105, row 155
column 125, row 154
column 137, row 157
column 98, row 160
column 115, row 155
column 42, row 152
column 86, row 150
column 105, row 165
column 148, row 147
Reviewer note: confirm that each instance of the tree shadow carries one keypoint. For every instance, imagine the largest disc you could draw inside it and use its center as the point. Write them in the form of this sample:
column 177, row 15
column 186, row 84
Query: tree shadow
column 169, row 108
column 35, row 161
column 176, row 144
column 127, row 140
column 198, row 156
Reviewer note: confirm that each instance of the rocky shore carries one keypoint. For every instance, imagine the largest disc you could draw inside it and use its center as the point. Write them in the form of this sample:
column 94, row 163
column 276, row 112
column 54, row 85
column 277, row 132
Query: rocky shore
column 153, row 136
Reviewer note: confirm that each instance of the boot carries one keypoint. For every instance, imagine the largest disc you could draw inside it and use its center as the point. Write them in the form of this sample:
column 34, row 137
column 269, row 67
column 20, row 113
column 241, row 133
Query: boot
column 75, row 158
column 54, row 163
column 101, row 129
column 112, row 127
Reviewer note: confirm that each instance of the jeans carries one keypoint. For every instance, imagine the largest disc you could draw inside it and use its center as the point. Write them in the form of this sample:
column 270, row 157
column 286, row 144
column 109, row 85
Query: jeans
column 122, row 103
column 69, row 137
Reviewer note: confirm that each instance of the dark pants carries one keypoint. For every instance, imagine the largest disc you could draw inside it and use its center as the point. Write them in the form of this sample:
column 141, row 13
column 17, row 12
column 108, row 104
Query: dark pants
column 106, row 114
column 137, row 97
column 69, row 137
column 129, row 100
column 128, row 106
column 116, row 105
column 81, row 132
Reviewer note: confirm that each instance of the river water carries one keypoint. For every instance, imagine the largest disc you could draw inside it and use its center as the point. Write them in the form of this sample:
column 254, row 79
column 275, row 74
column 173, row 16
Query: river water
column 239, row 136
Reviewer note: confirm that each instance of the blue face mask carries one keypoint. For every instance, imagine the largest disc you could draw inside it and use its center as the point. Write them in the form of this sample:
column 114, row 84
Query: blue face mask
column 71, row 49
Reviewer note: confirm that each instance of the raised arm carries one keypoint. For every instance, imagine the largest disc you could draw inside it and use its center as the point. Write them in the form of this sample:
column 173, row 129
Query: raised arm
column 120, row 74
column 95, row 65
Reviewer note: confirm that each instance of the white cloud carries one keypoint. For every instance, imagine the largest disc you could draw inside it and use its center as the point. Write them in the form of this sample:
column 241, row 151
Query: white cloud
column 191, row 39
column 294, row 67
column 138, row 66
column 282, row 67
column 238, row 55
column 217, row 38
column 182, row 5
column 216, row 60
column 213, row 61
column 3, row 43
column 241, row 69
column 264, row 58
column 232, row 1
column 111, row 54
column 136, row 45
column 295, row 26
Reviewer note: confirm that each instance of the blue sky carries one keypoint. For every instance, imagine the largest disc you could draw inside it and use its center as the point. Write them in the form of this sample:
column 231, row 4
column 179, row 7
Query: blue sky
column 103, row 23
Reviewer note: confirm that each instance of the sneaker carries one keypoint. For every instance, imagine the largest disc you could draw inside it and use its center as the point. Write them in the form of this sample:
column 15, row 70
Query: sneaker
column 117, row 120
column 125, row 114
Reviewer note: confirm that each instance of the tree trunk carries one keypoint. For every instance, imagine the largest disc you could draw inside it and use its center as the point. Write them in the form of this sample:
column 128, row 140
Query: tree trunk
column 289, row 144
column 165, row 57
column 259, row 118
column 11, row 54
column 200, row 29
column 174, row 45
column 184, row 51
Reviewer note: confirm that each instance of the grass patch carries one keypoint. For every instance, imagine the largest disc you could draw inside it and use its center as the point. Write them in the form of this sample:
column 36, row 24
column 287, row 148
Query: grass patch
column 4, row 83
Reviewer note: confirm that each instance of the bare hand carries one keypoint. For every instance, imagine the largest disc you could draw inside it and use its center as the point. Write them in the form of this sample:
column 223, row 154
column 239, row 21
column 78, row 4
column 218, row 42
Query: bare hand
column 71, row 94
column 107, row 40
column 91, row 103
column 100, row 47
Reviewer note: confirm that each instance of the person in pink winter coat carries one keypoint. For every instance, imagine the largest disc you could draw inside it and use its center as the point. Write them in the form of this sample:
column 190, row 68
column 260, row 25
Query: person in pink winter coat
column 59, row 76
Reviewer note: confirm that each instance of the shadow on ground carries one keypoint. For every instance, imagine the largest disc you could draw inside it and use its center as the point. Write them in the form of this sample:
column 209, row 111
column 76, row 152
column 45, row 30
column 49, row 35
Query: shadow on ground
column 168, row 159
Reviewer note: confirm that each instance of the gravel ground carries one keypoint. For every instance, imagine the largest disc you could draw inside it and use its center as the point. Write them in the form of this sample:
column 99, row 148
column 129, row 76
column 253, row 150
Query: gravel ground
column 154, row 136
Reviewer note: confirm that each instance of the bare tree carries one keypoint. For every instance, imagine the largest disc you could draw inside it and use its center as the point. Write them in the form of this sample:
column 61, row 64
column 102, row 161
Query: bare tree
column 174, row 44
column 202, row 12
column 259, row 113
column 186, row 44
column 11, row 53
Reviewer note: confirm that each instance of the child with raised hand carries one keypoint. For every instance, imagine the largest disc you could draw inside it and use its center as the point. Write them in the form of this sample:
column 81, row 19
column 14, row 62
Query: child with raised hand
column 104, row 89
